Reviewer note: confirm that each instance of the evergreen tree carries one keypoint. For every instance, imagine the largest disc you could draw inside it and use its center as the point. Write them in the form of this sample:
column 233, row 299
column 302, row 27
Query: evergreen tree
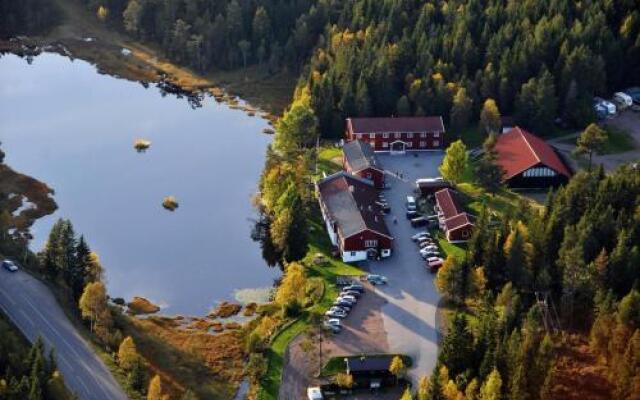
column 457, row 348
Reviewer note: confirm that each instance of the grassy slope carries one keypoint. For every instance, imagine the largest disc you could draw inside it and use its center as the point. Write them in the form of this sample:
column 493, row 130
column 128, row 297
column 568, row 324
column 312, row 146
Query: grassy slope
column 328, row 271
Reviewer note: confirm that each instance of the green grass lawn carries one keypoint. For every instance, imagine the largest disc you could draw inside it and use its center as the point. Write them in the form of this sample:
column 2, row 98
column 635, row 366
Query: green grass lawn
column 328, row 271
column 619, row 141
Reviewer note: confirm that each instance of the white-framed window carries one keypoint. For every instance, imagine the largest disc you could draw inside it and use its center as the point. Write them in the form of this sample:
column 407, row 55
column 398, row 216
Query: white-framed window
column 436, row 143
column 385, row 135
column 370, row 243
column 385, row 145
column 465, row 233
column 358, row 135
column 423, row 135
column 353, row 254
column 409, row 144
column 397, row 135
column 423, row 143
column 436, row 134
column 368, row 175
column 409, row 135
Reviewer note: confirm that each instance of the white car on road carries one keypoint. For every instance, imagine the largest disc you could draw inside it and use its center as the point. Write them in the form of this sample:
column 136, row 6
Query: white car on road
column 9, row 266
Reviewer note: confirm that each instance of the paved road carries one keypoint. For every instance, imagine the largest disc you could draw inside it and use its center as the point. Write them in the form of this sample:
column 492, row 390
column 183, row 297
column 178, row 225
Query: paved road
column 412, row 299
column 34, row 310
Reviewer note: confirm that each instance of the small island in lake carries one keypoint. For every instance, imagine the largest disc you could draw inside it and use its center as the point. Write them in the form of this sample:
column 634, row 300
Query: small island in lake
column 170, row 203
column 141, row 145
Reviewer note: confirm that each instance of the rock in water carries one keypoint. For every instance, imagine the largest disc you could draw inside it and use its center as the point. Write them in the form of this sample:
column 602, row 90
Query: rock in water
column 170, row 203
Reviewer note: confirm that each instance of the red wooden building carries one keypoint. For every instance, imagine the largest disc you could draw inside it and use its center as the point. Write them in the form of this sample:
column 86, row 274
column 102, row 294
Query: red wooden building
column 529, row 161
column 454, row 221
column 397, row 134
column 359, row 159
column 354, row 221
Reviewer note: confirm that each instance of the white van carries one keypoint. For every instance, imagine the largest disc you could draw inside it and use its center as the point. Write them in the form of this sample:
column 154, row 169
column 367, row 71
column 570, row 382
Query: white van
column 314, row 393
column 623, row 100
column 411, row 203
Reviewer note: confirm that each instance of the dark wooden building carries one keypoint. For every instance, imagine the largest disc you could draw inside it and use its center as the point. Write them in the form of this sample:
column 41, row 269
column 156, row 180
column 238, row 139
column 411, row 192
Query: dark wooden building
column 399, row 134
column 353, row 218
column 370, row 372
column 359, row 159
column 528, row 161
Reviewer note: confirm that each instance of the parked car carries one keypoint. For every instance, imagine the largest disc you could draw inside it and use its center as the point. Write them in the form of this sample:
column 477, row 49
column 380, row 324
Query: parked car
column 411, row 203
column 339, row 308
column 623, row 99
column 348, row 298
column 377, row 279
column 385, row 206
column 420, row 235
column 434, row 263
column 412, row 214
column 9, row 266
column 353, row 293
column 336, row 313
column 314, row 393
column 343, row 304
column 354, row 286
column 426, row 243
column 419, row 221
column 609, row 106
column 333, row 328
column 430, row 254
column 428, row 247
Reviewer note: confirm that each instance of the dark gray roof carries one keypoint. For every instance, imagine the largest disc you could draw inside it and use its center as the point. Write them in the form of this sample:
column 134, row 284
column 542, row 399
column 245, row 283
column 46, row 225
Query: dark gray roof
column 360, row 156
column 395, row 124
column 374, row 363
column 350, row 202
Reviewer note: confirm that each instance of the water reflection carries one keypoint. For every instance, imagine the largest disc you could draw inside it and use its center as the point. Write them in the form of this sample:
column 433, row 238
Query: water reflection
column 73, row 128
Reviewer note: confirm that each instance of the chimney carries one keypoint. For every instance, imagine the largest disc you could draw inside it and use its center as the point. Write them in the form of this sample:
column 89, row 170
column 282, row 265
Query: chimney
column 351, row 188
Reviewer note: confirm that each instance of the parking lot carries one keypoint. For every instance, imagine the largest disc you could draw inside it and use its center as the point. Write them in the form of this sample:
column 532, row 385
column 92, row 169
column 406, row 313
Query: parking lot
column 411, row 299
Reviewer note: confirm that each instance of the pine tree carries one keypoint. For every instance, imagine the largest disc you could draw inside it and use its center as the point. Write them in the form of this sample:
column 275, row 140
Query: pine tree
column 591, row 141
column 461, row 110
column 457, row 348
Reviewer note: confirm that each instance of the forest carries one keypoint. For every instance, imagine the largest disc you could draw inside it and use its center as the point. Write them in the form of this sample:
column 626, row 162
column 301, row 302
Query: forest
column 27, row 372
column 535, row 277
column 26, row 17
column 539, row 60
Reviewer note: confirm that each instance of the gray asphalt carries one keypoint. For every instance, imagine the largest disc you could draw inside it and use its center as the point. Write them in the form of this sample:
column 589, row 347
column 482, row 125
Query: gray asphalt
column 410, row 312
column 34, row 310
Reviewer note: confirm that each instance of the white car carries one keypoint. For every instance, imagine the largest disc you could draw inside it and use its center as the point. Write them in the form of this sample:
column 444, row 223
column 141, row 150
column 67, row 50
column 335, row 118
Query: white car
column 332, row 321
column 429, row 249
column 609, row 106
column 435, row 260
column 419, row 235
column 9, row 266
column 314, row 393
column 348, row 298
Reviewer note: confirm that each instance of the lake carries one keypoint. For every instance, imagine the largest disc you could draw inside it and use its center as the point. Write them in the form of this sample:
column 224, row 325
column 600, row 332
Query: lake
column 72, row 128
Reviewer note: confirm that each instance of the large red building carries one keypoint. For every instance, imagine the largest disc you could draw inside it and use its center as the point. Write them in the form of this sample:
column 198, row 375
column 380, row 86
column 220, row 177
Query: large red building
column 397, row 134
column 456, row 224
column 529, row 161
column 359, row 159
column 353, row 219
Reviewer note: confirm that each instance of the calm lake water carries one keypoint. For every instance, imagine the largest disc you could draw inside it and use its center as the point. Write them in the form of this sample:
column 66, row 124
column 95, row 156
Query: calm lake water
column 65, row 124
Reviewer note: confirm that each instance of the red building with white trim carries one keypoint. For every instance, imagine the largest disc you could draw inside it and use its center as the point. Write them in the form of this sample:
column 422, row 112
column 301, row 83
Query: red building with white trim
column 454, row 221
column 398, row 134
column 528, row 161
column 354, row 221
column 359, row 159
